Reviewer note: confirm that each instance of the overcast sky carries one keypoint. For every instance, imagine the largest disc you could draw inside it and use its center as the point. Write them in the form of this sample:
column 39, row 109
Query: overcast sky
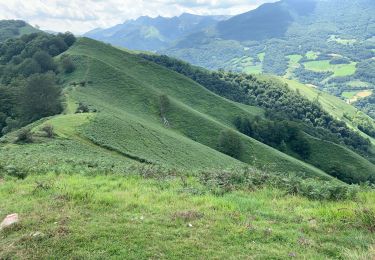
column 80, row 16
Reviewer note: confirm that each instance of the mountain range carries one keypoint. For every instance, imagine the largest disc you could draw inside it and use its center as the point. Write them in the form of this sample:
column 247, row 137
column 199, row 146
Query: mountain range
column 152, row 34
column 327, row 44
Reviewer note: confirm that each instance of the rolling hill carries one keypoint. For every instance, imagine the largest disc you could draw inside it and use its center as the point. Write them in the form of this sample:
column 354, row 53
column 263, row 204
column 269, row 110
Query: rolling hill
column 149, row 114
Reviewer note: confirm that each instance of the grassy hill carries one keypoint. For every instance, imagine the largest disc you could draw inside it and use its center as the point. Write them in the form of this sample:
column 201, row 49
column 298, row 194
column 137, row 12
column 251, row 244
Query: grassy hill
column 130, row 88
column 126, row 92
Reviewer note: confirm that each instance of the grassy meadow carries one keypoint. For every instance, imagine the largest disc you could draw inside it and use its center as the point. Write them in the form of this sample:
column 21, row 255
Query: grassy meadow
column 339, row 70
column 116, row 216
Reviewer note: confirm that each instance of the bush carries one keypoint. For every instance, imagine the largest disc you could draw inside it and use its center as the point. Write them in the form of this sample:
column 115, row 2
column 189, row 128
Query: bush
column 230, row 144
column 48, row 129
column 220, row 182
column 25, row 136
column 82, row 108
column 15, row 172
column 67, row 64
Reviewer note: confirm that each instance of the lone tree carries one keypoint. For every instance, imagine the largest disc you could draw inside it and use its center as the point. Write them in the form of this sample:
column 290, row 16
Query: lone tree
column 230, row 143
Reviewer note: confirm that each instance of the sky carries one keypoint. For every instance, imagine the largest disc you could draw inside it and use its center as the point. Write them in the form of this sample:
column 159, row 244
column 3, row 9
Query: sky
column 80, row 16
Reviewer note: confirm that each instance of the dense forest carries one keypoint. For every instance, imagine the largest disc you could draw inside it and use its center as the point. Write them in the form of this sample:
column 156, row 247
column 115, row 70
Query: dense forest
column 283, row 107
column 29, row 88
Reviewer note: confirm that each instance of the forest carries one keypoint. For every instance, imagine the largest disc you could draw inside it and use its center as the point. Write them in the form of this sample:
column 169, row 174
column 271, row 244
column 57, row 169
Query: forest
column 29, row 88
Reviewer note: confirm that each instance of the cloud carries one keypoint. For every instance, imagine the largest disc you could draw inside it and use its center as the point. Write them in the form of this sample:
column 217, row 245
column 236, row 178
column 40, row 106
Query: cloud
column 80, row 16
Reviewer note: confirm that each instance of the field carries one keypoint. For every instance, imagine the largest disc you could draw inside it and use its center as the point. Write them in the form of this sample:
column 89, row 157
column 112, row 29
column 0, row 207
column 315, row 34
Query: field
column 100, row 217
column 312, row 55
column 246, row 64
column 293, row 64
column 342, row 41
column 353, row 96
column 339, row 70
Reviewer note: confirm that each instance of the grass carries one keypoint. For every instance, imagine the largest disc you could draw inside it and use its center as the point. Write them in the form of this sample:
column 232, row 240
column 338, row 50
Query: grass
column 339, row 70
column 353, row 96
column 126, row 91
column 337, row 39
column 358, row 83
column 253, row 69
column 293, row 64
column 261, row 56
column 349, row 94
column 101, row 217
column 312, row 55
column 246, row 64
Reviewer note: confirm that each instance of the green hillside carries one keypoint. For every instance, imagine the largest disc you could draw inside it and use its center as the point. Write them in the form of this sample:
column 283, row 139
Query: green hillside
column 130, row 88
column 126, row 92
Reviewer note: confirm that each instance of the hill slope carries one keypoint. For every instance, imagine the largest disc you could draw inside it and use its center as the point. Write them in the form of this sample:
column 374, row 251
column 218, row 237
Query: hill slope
column 126, row 91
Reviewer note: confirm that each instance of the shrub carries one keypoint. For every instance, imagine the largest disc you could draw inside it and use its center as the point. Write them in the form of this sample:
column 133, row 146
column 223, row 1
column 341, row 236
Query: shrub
column 24, row 136
column 48, row 129
column 230, row 144
column 67, row 64
column 220, row 182
column 82, row 108
column 15, row 172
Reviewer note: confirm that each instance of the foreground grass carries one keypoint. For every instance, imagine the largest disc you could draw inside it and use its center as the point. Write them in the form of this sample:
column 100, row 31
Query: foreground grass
column 99, row 217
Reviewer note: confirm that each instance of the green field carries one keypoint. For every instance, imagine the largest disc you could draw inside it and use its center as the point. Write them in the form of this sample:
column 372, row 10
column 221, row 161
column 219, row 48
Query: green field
column 312, row 55
column 101, row 217
column 358, row 83
column 337, row 39
column 139, row 174
column 349, row 94
column 246, row 64
column 126, row 92
column 293, row 64
column 261, row 56
column 338, row 70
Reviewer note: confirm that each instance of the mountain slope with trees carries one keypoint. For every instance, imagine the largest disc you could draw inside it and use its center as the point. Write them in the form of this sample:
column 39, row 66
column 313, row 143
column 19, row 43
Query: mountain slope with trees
column 154, row 115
